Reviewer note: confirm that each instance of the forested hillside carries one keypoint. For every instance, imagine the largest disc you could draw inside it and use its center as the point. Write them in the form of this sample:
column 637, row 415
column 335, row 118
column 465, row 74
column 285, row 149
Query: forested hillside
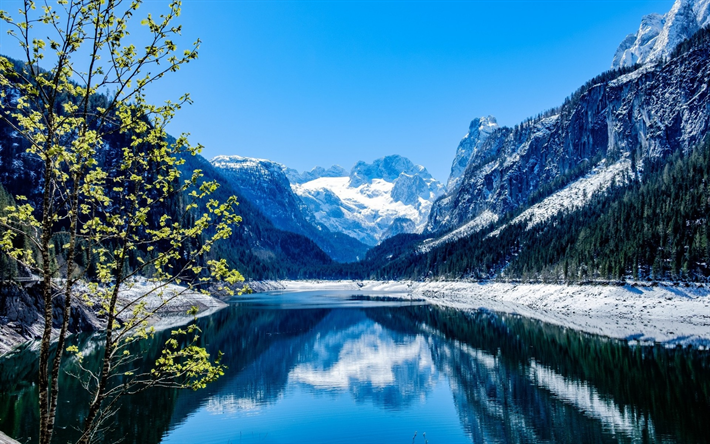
column 633, row 204
column 654, row 228
column 256, row 248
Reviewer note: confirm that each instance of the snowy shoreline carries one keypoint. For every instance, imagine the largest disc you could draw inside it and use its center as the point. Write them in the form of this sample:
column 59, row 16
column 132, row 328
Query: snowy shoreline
column 170, row 302
column 666, row 314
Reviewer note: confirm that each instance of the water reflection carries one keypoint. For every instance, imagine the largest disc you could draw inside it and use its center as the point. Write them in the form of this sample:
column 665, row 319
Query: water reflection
column 376, row 374
column 368, row 361
column 584, row 398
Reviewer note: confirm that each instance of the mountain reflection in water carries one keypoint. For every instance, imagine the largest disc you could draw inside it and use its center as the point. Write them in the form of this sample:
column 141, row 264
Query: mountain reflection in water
column 366, row 373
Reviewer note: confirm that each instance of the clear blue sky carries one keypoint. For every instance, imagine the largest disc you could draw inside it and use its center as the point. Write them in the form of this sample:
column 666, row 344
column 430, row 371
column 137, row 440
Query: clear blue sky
column 309, row 83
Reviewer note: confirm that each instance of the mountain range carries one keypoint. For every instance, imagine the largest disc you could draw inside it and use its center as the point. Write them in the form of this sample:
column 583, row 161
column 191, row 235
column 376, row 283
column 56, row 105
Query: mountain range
column 536, row 200
column 344, row 213
column 622, row 135
column 374, row 201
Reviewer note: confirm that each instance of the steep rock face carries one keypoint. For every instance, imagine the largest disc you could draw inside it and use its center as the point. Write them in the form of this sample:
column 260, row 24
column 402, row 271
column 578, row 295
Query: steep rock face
column 658, row 34
column 470, row 147
column 22, row 310
column 649, row 112
column 375, row 201
column 409, row 189
column 264, row 183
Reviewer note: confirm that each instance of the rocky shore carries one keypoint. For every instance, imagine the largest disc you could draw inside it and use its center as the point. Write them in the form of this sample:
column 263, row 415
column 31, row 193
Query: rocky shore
column 21, row 309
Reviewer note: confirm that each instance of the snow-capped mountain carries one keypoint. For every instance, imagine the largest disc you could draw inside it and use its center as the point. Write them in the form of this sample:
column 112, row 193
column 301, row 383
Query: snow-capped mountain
column 601, row 135
column 610, row 185
column 470, row 147
column 316, row 173
column 659, row 34
column 264, row 183
column 374, row 201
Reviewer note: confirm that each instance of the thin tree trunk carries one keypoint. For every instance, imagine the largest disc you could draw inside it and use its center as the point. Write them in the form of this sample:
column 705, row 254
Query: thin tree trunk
column 71, row 265
column 46, row 420
column 109, row 345
column 95, row 406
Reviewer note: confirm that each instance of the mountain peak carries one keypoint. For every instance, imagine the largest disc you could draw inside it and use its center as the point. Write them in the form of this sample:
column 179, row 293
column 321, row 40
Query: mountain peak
column 658, row 35
column 387, row 168
column 377, row 200
column 316, row 173
column 478, row 131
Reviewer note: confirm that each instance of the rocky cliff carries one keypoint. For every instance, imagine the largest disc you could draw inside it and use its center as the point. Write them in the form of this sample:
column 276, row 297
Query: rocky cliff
column 658, row 35
column 620, row 118
column 265, row 184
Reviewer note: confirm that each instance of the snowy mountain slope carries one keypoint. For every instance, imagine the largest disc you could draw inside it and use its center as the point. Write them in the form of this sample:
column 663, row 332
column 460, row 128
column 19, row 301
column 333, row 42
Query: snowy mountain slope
column 569, row 198
column 576, row 194
column 363, row 212
column 644, row 114
column 375, row 201
column 264, row 183
column 316, row 173
column 658, row 35
column 477, row 224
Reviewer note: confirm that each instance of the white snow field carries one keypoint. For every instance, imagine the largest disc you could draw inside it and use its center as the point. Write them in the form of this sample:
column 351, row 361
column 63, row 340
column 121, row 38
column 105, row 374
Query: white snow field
column 477, row 224
column 368, row 209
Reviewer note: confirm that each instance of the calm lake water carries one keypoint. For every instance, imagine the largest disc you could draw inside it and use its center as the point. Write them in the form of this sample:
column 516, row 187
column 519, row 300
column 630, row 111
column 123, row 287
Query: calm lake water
column 327, row 367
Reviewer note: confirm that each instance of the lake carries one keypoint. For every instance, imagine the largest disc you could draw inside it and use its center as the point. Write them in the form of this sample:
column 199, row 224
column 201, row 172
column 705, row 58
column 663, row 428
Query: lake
column 334, row 367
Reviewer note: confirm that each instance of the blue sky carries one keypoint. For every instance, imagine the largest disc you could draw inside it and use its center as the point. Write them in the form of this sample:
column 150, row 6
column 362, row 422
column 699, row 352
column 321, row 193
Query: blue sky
column 309, row 83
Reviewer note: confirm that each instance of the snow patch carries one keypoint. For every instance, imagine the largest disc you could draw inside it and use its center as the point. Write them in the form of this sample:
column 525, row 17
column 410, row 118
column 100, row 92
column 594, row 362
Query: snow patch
column 573, row 196
column 169, row 301
column 481, row 221
column 235, row 162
